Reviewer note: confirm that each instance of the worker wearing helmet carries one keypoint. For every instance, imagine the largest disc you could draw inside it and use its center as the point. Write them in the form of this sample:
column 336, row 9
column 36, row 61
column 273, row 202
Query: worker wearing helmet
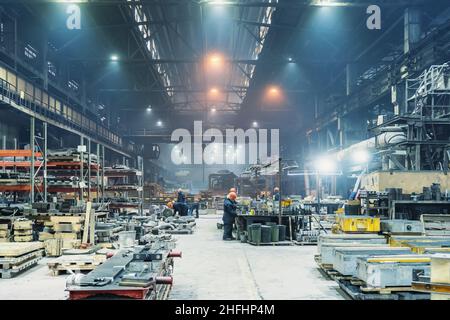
column 229, row 214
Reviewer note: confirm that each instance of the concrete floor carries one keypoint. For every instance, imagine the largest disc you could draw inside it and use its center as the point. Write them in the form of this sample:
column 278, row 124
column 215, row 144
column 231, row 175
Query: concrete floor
column 214, row 269
column 210, row 269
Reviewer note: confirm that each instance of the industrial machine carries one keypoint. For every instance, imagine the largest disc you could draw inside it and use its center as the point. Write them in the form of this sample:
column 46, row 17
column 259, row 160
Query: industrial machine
column 141, row 272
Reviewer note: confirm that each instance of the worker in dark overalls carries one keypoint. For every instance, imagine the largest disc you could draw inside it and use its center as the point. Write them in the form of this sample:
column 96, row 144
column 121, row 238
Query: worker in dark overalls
column 194, row 207
column 276, row 194
column 180, row 205
column 229, row 215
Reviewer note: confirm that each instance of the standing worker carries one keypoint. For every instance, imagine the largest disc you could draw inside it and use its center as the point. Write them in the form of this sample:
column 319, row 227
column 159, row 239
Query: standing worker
column 229, row 214
column 180, row 196
column 276, row 194
column 194, row 206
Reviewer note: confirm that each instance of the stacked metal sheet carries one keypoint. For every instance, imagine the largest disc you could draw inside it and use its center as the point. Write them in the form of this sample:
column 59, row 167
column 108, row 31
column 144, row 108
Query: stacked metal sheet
column 327, row 249
column 350, row 238
column 392, row 271
column 344, row 260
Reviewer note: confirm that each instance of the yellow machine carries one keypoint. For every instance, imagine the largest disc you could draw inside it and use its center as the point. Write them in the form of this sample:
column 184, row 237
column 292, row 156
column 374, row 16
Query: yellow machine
column 359, row 224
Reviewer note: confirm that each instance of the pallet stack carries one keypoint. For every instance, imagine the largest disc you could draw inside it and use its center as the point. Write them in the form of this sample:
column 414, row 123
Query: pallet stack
column 67, row 227
column 16, row 257
column 60, row 233
column 75, row 263
column 4, row 232
column 23, row 230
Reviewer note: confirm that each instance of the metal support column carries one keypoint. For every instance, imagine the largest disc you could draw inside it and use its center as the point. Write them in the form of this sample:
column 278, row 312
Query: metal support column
column 45, row 161
column 98, row 172
column 32, row 129
column 140, row 177
column 280, row 173
column 4, row 148
column 103, row 173
column 89, row 169
column 81, row 169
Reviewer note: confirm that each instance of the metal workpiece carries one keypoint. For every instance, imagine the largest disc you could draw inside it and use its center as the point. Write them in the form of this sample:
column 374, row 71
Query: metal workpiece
column 326, row 249
column 350, row 238
column 402, row 226
column 392, row 271
column 344, row 259
column 135, row 273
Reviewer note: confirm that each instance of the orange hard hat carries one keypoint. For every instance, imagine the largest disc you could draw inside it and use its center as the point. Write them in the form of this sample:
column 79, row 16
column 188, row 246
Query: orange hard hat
column 232, row 196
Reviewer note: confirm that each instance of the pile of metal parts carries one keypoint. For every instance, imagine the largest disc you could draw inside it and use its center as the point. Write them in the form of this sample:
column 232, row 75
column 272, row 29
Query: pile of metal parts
column 140, row 272
column 169, row 223
column 372, row 266
column 69, row 154
column 395, row 204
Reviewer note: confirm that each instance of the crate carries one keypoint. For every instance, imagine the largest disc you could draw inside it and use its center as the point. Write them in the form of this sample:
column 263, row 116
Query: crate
column 23, row 225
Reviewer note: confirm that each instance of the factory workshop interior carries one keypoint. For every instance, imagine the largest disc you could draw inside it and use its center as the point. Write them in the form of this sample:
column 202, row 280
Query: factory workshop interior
column 189, row 150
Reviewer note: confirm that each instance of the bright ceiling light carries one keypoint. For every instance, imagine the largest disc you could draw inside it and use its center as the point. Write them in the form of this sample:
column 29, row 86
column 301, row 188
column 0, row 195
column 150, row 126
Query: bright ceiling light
column 215, row 61
column 213, row 109
column 214, row 91
column 114, row 57
column 290, row 59
column 159, row 123
column 149, row 109
column 325, row 165
column 255, row 124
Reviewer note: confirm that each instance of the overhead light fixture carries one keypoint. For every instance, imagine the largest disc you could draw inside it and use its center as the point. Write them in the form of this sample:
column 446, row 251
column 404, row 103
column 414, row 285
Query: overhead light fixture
column 214, row 91
column 273, row 93
column 290, row 59
column 213, row 109
column 159, row 123
column 149, row 109
column 255, row 124
column 114, row 57
column 215, row 61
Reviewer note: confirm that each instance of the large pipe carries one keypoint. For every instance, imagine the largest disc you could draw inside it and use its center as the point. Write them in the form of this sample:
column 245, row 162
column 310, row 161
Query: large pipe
column 383, row 140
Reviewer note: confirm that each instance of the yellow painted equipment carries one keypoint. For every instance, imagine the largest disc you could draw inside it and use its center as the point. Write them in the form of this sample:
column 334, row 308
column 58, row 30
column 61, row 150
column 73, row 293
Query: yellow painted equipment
column 286, row 203
column 358, row 224
column 400, row 259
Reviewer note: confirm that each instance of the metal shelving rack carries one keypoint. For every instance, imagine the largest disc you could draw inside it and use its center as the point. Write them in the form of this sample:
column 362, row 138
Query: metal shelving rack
column 36, row 164
column 118, row 180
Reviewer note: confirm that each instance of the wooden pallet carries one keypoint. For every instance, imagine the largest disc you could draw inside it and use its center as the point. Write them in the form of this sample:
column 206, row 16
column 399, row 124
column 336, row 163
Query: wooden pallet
column 279, row 243
column 386, row 290
column 58, row 214
column 10, row 262
column 75, row 263
column 23, row 238
column 14, row 249
column 16, row 270
column 355, row 293
column 303, row 243
column 23, row 232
